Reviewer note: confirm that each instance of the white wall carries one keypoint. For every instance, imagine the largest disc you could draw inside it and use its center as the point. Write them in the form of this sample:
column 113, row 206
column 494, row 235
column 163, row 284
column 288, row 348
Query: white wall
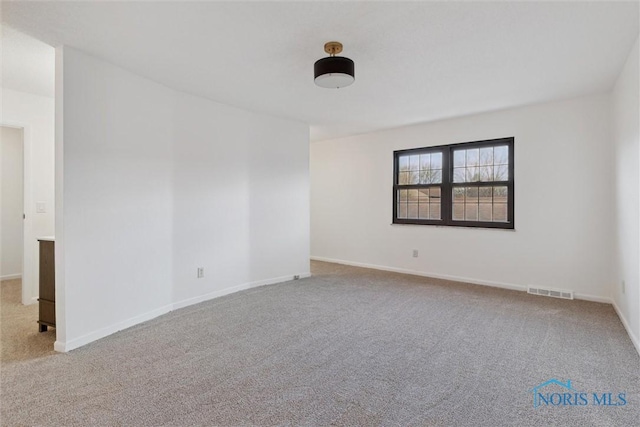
column 11, row 205
column 117, row 198
column 36, row 115
column 241, row 198
column 563, row 201
column 157, row 183
column 626, row 135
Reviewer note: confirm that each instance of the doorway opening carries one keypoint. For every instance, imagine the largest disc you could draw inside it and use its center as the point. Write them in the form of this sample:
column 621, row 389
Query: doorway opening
column 19, row 313
column 12, row 214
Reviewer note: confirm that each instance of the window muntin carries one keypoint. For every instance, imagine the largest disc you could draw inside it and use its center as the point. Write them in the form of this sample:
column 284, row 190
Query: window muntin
column 425, row 168
column 421, row 203
column 485, row 204
column 469, row 184
column 419, row 175
column 485, row 164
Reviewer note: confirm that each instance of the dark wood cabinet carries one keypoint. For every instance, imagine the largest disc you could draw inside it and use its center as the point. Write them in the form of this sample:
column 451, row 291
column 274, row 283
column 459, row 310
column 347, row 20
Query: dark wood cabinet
column 47, row 295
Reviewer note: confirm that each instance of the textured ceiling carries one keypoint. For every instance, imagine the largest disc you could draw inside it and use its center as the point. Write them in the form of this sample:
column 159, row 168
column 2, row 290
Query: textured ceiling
column 415, row 61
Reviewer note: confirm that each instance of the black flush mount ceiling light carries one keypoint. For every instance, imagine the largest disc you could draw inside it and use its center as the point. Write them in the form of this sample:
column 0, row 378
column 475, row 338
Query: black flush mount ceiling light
column 335, row 71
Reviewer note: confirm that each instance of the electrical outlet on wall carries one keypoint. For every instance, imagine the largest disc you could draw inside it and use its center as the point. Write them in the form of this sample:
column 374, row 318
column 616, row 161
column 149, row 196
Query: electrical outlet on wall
column 415, row 253
column 200, row 272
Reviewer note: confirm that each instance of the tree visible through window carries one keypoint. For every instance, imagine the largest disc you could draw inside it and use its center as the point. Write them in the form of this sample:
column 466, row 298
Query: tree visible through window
column 469, row 184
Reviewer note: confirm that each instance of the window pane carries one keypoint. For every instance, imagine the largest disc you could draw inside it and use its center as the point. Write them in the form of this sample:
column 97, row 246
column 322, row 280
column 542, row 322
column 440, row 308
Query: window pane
column 485, row 194
column 403, row 163
column 423, row 210
column 471, row 195
column 471, row 212
column 412, row 210
column 486, row 173
column 458, row 194
column 436, row 160
column 458, row 211
column 413, row 196
column 501, row 173
column 414, row 163
column 459, row 159
column 473, row 157
column 500, row 194
column 403, row 178
column 423, row 195
column 501, row 155
column 473, row 174
column 434, row 193
column 434, row 210
column 459, row 175
column 486, row 156
column 402, row 195
column 425, row 161
column 430, row 176
column 402, row 210
column 484, row 212
column 414, row 177
column 500, row 212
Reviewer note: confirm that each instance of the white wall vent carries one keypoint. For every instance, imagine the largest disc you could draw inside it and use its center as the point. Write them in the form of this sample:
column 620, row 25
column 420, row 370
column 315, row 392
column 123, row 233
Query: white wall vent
column 549, row 292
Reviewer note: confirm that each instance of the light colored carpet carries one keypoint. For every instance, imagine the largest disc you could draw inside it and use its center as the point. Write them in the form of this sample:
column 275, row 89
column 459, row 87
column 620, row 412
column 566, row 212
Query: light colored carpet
column 20, row 339
column 348, row 346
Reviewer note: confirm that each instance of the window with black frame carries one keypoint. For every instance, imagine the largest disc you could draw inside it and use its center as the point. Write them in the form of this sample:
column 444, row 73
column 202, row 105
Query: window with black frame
column 468, row 185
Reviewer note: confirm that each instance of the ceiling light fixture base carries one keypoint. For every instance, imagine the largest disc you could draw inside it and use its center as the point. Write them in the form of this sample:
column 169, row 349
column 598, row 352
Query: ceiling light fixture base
column 333, row 48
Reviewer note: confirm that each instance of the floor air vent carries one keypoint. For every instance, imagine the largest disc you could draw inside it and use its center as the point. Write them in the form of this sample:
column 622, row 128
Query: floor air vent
column 548, row 292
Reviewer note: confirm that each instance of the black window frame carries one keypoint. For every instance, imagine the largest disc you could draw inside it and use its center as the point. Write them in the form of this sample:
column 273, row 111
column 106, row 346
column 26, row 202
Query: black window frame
column 447, row 185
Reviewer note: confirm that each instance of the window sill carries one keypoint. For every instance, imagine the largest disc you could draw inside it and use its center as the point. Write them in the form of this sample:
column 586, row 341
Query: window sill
column 456, row 227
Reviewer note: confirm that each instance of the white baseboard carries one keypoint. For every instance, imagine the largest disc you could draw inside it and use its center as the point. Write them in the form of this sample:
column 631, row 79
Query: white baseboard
column 10, row 277
column 64, row 347
column 111, row 329
column 423, row 274
column 206, row 297
column 594, row 298
column 238, row 288
column 502, row 285
column 634, row 339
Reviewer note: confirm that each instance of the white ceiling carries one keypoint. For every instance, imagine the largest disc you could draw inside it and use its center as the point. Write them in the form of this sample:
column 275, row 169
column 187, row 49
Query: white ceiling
column 415, row 61
column 28, row 65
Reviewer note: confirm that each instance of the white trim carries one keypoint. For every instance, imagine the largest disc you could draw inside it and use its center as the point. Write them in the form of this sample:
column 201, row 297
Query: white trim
column 222, row 292
column 30, row 270
column 423, row 274
column 112, row 329
column 501, row 285
column 634, row 339
column 593, row 298
column 63, row 347
column 10, row 277
column 61, row 299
